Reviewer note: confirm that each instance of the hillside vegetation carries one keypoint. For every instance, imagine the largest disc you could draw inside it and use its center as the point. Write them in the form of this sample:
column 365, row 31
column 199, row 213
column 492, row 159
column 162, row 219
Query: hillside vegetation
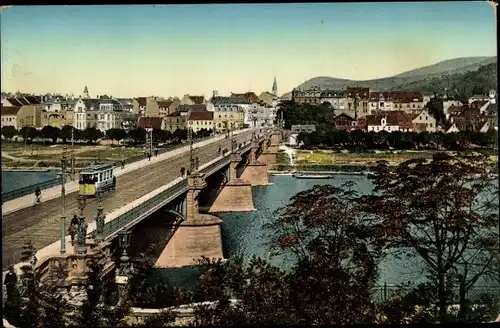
column 417, row 77
column 462, row 85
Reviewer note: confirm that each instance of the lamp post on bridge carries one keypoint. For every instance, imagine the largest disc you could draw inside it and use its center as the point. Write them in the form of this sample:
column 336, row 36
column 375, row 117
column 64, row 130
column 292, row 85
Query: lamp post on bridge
column 125, row 268
column 149, row 140
column 100, row 218
column 193, row 161
column 82, row 226
column 62, row 222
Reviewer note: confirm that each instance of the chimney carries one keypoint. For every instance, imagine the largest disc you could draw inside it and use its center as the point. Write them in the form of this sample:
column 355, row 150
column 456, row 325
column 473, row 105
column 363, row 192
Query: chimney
column 215, row 93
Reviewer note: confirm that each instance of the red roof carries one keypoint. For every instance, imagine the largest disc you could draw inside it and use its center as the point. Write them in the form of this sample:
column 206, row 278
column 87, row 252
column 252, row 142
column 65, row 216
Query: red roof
column 10, row 110
column 398, row 96
column 363, row 93
column 248, row 95
column 196, row 108
column 150, row 122
column 478, row 103
column 200, row 116
column 142, row 101
column 398, row 118
column 198, row 100
column 164, row 103
column 174, row 114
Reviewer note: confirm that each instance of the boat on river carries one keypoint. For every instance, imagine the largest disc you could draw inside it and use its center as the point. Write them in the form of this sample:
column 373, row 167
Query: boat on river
column 312, row 176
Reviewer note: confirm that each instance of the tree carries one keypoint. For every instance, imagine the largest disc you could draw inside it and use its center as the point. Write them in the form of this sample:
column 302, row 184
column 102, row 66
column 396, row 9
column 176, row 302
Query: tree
column 9, row 132
column 28, row 132
column 324, row 235
column 435, row 108
column 138, row 135
column 116, row 134
column 180, row 135
column 439, row 211
column 91, row 134
column 50, row 132
column 65, row 133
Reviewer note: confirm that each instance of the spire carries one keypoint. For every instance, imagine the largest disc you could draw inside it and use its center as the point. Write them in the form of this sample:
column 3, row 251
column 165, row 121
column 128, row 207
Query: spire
column 85, row 92
column 275, row 87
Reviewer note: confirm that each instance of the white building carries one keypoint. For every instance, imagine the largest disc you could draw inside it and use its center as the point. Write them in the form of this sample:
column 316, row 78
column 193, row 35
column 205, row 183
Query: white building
column 9, row 116
column 424, row 122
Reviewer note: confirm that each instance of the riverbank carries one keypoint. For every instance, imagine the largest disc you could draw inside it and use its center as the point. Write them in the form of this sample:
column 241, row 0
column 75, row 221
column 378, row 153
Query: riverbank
column 329, row 157
column 30, row 169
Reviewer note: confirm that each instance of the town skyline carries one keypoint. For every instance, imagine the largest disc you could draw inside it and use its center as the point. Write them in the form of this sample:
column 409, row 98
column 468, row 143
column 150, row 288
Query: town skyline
column 118, row 50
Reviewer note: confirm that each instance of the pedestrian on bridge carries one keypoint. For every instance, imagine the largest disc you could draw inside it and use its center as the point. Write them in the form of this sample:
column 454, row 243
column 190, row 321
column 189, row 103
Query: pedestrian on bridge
column 38, row 194
column 123, row 163
column 149, row 156
column 73, row 227
column 10, row 282
column 156, row 152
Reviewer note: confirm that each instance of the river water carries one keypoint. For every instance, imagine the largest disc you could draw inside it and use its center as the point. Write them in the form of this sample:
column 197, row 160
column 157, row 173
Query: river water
column 16, row 180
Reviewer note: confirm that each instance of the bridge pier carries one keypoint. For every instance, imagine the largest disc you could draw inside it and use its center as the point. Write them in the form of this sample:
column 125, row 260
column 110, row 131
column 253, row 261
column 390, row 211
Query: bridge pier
column 255, row 172
column 270, row 149
column 196, row 236
column 236, row 195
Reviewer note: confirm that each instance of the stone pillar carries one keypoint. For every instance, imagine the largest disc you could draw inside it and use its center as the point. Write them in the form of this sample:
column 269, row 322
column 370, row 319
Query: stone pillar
column 236, row 195
column 196, row 236
column 196, row 182
column 255, row 172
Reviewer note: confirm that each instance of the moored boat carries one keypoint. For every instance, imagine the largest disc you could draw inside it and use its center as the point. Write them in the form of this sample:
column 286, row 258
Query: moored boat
column 312, row 176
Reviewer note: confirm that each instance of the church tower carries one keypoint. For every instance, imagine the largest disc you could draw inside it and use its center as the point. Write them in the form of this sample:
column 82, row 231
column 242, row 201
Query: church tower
column 86, row 93
column 275, row 87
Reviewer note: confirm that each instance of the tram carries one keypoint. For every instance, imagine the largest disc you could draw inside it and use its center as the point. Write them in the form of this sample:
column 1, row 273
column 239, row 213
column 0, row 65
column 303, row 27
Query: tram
column 96, row 179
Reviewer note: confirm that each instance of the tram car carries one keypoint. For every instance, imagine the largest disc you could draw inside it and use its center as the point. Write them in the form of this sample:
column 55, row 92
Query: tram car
column 95, row 179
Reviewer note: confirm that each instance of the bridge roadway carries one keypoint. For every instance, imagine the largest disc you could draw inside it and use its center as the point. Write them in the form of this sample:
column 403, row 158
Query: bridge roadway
column 40, row 224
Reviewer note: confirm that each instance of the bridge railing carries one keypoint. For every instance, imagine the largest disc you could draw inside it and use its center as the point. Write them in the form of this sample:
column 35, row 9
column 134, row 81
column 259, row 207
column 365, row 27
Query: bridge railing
column 157, row 201
column 16, row 193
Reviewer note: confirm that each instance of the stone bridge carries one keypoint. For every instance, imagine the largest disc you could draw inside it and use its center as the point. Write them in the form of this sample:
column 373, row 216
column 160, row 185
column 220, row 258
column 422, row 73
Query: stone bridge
column 194, row 232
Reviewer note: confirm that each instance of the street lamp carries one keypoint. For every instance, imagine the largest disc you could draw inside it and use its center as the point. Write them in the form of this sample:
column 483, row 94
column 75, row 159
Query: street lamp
column 62, row 221
column 100, row 218
column 192, row 159
column 122, row 277
column 149, row 140
column 82, row 226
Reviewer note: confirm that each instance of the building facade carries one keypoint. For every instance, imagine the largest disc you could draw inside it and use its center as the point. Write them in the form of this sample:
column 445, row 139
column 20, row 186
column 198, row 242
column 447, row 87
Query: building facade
column 197, row 120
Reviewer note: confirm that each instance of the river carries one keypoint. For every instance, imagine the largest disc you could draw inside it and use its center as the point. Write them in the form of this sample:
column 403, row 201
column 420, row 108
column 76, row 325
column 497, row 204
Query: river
column 19, row 179
column 242, row 233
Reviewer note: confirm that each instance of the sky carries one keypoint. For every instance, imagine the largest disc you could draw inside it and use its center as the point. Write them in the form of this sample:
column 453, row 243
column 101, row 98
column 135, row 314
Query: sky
column 172, row 50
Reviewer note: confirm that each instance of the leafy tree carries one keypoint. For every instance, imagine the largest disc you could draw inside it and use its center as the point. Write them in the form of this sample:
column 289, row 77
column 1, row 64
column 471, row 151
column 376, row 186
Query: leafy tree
column 180, row 135
column 437, row 211
column 323, row 235
column 28, row 132
column 91, row 134
column 435, row 108
column 65, row 133
column 138, row 135
column 50, row 132
column 9, row 132
column 116, row 134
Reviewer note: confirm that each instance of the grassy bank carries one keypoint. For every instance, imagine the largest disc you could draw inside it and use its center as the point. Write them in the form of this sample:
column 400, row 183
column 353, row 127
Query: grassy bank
column 328, row 157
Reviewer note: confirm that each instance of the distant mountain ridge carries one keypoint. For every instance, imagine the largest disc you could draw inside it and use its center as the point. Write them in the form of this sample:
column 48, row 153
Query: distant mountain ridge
column 443, row 68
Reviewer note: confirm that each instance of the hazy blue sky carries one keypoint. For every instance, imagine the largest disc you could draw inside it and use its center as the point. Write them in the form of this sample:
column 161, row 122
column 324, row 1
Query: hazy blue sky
column 171, row 50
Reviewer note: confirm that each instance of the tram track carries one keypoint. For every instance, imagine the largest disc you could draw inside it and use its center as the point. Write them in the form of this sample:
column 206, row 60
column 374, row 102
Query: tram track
column 40, row 224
